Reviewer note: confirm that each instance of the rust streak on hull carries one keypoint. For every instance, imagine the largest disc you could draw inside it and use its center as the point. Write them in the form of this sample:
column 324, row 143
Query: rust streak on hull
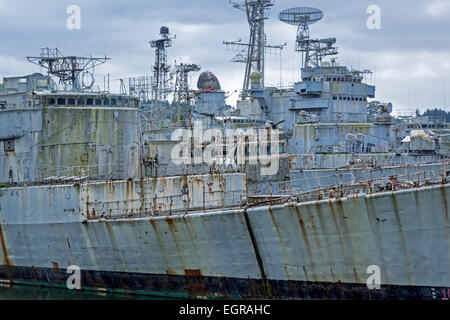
column 4, row 251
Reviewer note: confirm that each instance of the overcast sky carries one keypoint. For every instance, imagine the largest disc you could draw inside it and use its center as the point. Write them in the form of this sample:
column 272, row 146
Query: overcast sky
column 410, row 55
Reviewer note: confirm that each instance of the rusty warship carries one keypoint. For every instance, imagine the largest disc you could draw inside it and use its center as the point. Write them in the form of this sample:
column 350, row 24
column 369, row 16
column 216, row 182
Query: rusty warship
column 294, row 194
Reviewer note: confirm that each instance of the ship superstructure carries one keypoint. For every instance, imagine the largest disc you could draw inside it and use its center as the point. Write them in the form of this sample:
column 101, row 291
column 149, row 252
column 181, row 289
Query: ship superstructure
column 66, row 130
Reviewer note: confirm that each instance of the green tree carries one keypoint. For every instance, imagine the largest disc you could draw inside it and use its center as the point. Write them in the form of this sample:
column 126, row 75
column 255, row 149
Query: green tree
column 438, row 113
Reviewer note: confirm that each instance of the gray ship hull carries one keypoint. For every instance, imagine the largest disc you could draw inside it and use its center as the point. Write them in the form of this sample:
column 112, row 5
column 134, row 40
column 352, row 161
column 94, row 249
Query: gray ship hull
column 319, row 249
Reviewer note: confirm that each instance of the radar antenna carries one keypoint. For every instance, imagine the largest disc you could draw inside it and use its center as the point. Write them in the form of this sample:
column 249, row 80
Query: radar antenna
column 257, row 12
column 67, row 68
column 313, row 50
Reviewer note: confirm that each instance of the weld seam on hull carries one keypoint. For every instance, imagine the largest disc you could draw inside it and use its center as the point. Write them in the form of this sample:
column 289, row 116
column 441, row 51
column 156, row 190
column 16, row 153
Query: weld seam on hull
column 267, row 289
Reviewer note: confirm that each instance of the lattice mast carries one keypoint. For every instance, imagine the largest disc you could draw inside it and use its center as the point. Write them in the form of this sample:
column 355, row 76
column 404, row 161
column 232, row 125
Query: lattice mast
column 161, row 69
column 257, row 13
column 181, row 94
column 140, row 87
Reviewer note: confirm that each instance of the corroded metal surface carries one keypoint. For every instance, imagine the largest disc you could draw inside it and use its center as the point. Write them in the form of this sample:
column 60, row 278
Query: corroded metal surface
column 69, row 141
column 331, row 241
column 404, row 232
column 134, row 198
column 121, row 199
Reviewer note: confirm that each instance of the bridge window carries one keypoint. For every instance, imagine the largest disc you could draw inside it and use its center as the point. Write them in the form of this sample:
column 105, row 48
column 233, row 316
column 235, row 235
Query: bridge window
column 61, row 101
column 89, row 101
column 8, row 145
column 71, row 101
column 105, row 102
column 51, row 101
column 113, row 102
column 98, row 102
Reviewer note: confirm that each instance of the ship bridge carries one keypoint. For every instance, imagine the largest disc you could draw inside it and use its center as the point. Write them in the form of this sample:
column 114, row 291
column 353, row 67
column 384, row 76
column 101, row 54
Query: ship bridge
column 86, row 99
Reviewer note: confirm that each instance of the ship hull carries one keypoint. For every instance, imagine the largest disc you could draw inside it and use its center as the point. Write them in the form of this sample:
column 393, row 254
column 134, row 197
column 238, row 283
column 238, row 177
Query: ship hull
column 200, row 287
column 313, row 250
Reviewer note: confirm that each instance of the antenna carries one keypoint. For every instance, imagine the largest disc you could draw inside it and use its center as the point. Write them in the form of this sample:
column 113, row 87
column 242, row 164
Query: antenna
column 257, row 12
column 182, row 95
column 67, row 69
column 140, row 87
column 314, row 50
column 181, row 84
column 445, row 93
column 161, row 68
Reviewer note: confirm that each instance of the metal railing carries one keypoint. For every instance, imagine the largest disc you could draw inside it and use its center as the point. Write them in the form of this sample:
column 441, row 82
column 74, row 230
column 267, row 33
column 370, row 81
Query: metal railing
column 163, row 205
column 419, row 178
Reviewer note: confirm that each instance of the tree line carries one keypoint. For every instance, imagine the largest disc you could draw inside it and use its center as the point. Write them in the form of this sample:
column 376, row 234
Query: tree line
column 435, row 113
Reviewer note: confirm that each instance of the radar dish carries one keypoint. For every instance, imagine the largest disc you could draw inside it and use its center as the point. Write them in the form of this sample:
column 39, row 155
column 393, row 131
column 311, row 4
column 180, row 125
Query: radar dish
column 300, row 16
